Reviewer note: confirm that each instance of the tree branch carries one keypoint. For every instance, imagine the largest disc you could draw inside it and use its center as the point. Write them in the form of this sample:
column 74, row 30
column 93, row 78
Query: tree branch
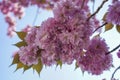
column 115, row 72
column 113, row 50
column 99, row 27
column 97, row 10
column 35, row 16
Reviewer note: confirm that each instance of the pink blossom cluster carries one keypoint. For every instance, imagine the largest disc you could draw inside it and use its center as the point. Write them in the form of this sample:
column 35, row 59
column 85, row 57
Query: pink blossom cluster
column 95, row 60
column 118, row 54
column 9, row 9
column 69, row 10
column 114, row 1
column 12, row 23
column 113, row 15
column 66, row 38
column 48, row 4
column 30, row 37
column 45, row 4
column 28, row 54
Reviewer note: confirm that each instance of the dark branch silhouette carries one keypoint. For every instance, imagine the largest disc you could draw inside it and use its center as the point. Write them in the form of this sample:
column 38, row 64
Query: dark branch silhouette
column 99, row 27
column 115, row 72
column 113, row 50
column 98, row 9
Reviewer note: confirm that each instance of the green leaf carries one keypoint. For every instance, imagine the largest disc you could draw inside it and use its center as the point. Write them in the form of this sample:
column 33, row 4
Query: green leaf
column 76, row 66
column 21, row 35
column 15, row 60
column 19, row 66
column 26, row 67
column 20, row 44
column 118, row 28
column 97, row 35
column 108, row 26
column 59, row 63
column 41, row 1
column 104, row 17
column 38, row 67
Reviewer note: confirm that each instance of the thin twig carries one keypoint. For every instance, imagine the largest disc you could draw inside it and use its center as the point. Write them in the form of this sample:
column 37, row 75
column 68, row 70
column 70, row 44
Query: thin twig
column 113, row 50
column 93, row 6
column 99, row 27
column 36, row 16
column 98, row 9
column 115, row 72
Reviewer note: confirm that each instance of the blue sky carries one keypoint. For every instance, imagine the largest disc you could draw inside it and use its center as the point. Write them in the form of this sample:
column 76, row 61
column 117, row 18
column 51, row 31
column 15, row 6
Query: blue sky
column 50, row 73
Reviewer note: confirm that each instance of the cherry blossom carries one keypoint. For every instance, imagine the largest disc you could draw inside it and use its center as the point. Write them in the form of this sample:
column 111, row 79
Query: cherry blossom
column 95, row 60
column 28, row 54
column 113, row 15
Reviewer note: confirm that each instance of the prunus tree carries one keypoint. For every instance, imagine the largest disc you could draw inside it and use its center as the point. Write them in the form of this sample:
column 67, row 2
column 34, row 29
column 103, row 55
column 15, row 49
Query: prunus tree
column 66, row 37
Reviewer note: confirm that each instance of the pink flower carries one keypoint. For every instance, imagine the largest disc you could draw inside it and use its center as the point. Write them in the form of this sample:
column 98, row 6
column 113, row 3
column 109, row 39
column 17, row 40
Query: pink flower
column 28, row 54
column 10, row 20
column 95, row 60
column 45, row 39
column 66, row 35
column 113, row 15
column 18, row 10
column 27, row 29
column 118, row 54
column 11, row 31
column 12, row 25
column 48, row 58
column 113, row 1
column 66, row 10
column 79, row 3
column 30, row 37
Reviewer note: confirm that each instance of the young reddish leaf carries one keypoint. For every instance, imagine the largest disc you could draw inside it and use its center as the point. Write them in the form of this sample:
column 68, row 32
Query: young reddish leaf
column 16, row 59
column 97, row 35
column 26, row 68
column 19, row 66
column 104, row 17
column 108, row 26
column 76, row 66
column 118, row 28
column 59, row 63
column 38, row 67
column 20, row 44
column 21, row 35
